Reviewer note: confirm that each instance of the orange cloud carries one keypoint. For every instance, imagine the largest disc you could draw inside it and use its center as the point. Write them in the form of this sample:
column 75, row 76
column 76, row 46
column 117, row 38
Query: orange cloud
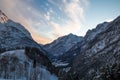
column 41, row 40
column 41, row 25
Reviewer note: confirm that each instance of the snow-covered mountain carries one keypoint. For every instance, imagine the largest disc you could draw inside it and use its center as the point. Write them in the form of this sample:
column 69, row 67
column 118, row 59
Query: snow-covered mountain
column 62, row 45
column 90, row 35
column 58, row 48
column 21, row 58
column 66, row 48
column 14, row 35
column 98, row 55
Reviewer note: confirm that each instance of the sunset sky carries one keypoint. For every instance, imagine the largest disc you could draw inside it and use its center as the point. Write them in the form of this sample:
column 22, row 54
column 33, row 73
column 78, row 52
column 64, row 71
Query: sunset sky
column 50, row 19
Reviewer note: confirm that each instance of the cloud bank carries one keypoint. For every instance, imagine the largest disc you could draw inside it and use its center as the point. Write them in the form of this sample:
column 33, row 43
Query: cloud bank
column 53, row 19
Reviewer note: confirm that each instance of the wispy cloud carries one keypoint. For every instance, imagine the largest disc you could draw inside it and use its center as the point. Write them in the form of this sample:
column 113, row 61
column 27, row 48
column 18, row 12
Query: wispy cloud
column 74, row 11
column 64, row 17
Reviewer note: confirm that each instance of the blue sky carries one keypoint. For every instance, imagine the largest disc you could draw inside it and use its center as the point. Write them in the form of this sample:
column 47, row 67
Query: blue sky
column 101, row 10
column 50, row 19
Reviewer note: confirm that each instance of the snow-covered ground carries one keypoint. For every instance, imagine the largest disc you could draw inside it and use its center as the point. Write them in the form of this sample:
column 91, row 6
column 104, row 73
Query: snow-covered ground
column 22, row 67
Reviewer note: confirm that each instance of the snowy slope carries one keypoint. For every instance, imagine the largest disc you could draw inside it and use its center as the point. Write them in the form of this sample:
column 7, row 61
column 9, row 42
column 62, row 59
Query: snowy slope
column 16, row 65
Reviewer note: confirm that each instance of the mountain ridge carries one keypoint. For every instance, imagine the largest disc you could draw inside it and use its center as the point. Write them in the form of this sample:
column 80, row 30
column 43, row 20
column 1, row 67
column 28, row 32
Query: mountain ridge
column 62, row 44
column 101, row 52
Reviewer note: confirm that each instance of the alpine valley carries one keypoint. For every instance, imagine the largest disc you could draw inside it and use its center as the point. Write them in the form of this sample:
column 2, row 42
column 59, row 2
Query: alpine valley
column 95, row 56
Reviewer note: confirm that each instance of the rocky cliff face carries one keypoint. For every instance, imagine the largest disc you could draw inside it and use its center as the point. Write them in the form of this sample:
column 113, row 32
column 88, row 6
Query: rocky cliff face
column 90, row 35
column 98, row 57
column 3, row 17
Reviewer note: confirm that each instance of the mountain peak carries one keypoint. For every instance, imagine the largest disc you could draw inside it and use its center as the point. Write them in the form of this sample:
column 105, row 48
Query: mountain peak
column 3, row 17
column 70, row 34
column 62, row 44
